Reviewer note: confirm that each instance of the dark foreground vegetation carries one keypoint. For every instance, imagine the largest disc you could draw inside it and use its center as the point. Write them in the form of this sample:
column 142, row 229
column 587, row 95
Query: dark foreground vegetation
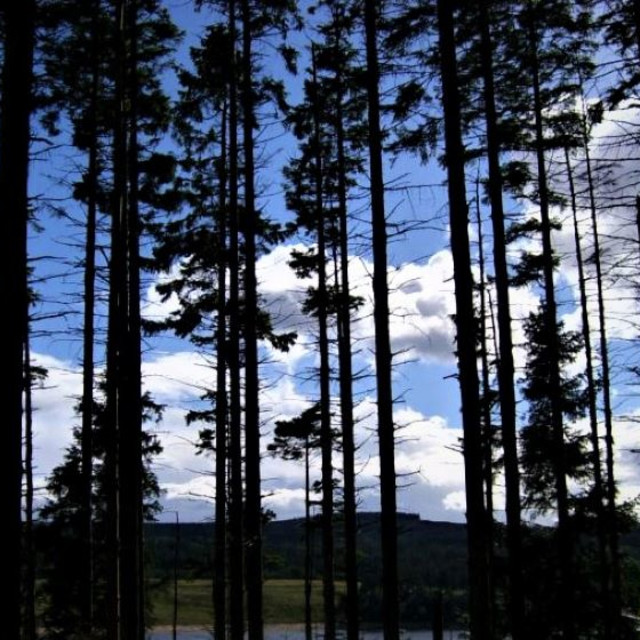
column 432, row 572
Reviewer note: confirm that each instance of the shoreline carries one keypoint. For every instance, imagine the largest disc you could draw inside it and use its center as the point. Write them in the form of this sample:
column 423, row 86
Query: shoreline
column 283, row 627
column 274, row 626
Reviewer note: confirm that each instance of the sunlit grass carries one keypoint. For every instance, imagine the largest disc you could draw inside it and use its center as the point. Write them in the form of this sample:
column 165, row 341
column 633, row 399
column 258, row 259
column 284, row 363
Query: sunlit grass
column 283, row 602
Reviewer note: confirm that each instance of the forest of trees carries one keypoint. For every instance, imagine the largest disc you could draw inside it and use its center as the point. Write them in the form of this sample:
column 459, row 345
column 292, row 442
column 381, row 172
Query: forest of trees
column 160, row 156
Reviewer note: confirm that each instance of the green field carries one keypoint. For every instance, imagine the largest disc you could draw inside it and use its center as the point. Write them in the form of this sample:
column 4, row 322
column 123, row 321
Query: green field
column 283, row 602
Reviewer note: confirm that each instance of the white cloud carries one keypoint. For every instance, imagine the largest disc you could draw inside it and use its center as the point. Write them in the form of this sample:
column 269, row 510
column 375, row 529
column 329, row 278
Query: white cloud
column 286, row 503
column 428, row 446
column 178, row 376
column 291, row 360
column 420, row 299
column 281, row 400
column 153, row 305
column 455, row 501
column 626, row 436
column 427, row 455
column 54, row 411
column 615, row 167
column 421, row 302
column 198, row 487
column 179, row 441
column 281, row 292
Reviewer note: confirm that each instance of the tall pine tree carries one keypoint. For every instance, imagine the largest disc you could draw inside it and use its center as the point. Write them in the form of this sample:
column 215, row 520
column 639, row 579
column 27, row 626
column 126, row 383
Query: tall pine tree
column 16, row 107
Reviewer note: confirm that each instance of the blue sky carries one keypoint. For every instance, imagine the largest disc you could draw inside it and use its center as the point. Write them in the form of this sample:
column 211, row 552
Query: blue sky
column 422, row 302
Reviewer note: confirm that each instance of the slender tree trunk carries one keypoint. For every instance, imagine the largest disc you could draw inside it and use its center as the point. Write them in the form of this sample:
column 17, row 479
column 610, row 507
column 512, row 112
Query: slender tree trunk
column 14, row 171
column 131, row 495
column 438, row 617
column 30, row 632
column 253, row 517
column 220, row 580
column 593, row 409
column 486, row 406
column 308, row 620
column 129, row 404
column 116, row 335
column 112, row 538
column 111, row 448
column 612, row 525
column 386, row 439
column 176, row 559
column 565, row 545
column 89, row 338
column 120, row 553
column 479, row 592
column 346, row 386
column 506, row 366
column 236, row 537
column 326, row 436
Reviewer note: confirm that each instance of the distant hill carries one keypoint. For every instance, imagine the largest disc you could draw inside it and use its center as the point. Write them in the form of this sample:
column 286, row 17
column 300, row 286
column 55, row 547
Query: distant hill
column 432, row 558
column 432, row 562
column 432, row 553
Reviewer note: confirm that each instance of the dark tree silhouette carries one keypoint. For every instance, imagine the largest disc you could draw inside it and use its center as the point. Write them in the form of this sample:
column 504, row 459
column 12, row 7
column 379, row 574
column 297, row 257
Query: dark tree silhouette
column 16, row 106
column 505, row 359
column 479, row 591
column 386, row 437
column 294, row 439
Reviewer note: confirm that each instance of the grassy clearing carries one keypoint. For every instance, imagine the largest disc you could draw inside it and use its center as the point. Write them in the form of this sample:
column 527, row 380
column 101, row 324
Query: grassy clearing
column 283, row 602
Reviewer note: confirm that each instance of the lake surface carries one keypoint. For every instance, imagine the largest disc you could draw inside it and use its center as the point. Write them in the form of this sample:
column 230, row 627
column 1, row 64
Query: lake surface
column 279, row 633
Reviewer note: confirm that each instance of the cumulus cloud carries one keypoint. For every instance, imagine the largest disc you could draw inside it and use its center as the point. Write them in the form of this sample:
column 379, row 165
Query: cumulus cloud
column 54, row 415
column 626, row 436
column 198, row 487
column 154, row 307
column 454, row 501
column 428, row 457
column 422, row 303
column 615, row 166
column 428, row 461
column 178, row 376
column 420, row 299
column 281, row 291
column 286, row 503
column 429, row 465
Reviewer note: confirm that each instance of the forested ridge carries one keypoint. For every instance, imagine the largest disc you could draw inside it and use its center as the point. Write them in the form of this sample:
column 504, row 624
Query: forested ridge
column 328, row 213
column 441, row 546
